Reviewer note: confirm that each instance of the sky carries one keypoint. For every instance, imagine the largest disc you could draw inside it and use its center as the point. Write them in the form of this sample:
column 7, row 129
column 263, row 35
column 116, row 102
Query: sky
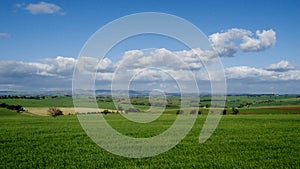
column 257, row 42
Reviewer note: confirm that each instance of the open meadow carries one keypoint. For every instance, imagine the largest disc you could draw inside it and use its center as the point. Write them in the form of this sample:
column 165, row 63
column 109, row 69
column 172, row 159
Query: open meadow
column 262, row 135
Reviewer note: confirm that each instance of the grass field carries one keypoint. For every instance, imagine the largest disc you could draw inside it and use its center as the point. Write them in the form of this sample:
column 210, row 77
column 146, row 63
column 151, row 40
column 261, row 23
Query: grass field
column 60, row 101
column 265, row 136
column 243, row 141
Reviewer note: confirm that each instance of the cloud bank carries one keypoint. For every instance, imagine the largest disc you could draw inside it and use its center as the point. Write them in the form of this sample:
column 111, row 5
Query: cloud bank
column 274, row 72
column 281, row 66
column 57, row 72
column 160, row 67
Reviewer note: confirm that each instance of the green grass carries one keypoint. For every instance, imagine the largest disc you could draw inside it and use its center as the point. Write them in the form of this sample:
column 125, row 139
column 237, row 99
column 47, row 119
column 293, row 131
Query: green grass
column 242, row 141
column 173, row 101
column 267, row 139
column 261, row 110
column 60, row 101
column 7, row 112
column 264, row 100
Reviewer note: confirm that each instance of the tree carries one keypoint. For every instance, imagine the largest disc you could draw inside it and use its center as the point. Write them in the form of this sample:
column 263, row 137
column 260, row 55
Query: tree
column 235, row 110
column 179, row 112
column 106, row 112
column 17, row 108
column 199, row 112
column 53, row 111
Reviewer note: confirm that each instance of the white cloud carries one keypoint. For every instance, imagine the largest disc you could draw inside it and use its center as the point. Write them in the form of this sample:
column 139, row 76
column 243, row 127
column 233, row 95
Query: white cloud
column 186, row 59
column 4, row 35
column 155, row 66
column 227, row 43
column 42, row 8
column 240, row 72
column 150, row 68
column 265, row 40
column 289, row 75
column 281, row 66
column 245, row 72
column 105, row 65
column 59, row 67
column 224, row 43
column 104, row 76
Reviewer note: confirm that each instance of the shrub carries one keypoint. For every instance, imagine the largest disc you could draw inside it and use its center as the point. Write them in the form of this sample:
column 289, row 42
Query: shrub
column 53, row 111
column 199, row 112
column 235, row 110
column 224, row 112
column 106, row 112
column 179, row 112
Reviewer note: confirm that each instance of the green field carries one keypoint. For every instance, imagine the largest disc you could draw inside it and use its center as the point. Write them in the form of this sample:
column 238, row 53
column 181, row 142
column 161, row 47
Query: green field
column 258, row 137
column 60, row 101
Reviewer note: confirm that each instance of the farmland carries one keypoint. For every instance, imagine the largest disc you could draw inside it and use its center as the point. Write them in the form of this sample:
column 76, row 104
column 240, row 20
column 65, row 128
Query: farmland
column 264, row 134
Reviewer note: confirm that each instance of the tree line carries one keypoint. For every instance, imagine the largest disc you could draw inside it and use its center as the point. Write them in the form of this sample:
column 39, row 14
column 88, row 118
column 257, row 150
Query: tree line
column 17, row 108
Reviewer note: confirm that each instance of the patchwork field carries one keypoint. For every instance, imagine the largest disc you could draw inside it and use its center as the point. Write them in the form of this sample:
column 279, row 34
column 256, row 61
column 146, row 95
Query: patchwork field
column 265, row 136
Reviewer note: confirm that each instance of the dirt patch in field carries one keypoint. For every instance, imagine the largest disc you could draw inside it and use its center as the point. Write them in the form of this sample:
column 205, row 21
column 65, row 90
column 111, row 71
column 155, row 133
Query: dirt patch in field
column 43, row 111
column 283, row 108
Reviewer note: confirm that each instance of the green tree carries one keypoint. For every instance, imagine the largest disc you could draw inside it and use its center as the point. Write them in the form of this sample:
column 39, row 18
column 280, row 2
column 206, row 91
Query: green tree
column 235, row 110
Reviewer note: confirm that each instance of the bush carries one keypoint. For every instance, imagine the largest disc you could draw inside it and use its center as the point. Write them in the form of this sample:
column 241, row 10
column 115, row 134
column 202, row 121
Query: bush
column 224, row 112
column 235, row 110
column 179, row 112
column 106, row 112
column 199, row 112
column 53, row 111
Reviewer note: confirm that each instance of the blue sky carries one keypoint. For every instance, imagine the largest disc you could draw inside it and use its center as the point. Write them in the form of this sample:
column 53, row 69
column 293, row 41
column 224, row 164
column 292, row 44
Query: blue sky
column 38, row 32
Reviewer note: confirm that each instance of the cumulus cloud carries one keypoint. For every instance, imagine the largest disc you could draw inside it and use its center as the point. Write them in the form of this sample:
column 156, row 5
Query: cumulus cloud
column 50, row 73
column 245, row 79
column 41, row 8
column 224, row 43
column 4, row 35
column 281, row 66
column 186, row 59
column 240, row 72
column 105, row 65
column 158, row 65
column 227, row 43
column 58, row 67
column 265, row 40
column 246, row 72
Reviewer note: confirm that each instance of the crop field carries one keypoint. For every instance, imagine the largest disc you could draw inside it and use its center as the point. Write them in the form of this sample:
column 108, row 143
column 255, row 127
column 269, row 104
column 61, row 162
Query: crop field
column 262, row 135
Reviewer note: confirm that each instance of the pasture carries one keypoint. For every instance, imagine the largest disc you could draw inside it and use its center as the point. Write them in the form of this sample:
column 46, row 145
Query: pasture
column 265, row 136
